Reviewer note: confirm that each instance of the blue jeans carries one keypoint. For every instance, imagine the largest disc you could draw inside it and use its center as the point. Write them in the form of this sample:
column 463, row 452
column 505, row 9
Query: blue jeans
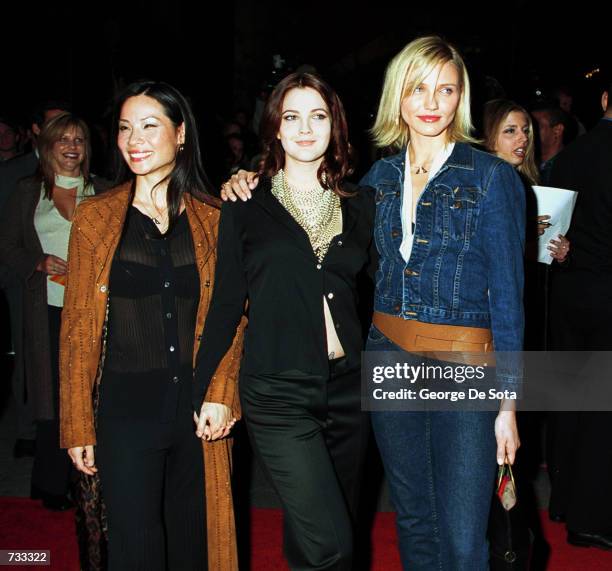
column 440, row 468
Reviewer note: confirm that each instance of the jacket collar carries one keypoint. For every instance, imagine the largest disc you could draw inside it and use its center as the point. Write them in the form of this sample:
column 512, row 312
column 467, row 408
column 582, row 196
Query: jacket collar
column 203, row 226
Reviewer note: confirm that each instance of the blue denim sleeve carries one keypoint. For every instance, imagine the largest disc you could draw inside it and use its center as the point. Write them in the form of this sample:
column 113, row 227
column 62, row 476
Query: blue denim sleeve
column 368, row 179
column 504, row 235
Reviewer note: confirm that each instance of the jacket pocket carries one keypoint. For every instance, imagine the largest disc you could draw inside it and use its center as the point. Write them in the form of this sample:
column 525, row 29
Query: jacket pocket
column 460, row 209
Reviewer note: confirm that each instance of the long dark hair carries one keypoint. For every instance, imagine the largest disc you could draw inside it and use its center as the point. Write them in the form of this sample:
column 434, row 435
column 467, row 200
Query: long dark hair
column 188, row 175
column 336, row 164
column 51, row 133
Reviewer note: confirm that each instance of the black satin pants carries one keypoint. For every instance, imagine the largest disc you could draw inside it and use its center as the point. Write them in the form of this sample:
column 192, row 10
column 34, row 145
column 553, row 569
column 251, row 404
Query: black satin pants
column 310, row 435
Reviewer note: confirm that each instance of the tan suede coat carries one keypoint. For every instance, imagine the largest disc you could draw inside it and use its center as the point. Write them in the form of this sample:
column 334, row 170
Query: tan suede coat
column 95, row 235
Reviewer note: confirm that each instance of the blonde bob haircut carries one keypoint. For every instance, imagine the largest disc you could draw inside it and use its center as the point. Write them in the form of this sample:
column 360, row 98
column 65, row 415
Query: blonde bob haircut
column 407, row 70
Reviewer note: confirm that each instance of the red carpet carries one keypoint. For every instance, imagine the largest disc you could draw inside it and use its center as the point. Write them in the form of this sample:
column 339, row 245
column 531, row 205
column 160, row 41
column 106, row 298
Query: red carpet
column 24, row 524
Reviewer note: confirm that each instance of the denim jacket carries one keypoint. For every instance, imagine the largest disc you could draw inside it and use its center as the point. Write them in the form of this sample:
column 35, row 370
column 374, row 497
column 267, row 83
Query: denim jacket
column 466, row 264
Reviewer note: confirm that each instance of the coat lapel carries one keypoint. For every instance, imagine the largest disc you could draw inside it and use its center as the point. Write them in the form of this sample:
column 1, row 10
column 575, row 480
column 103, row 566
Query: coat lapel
column 108, row 225
column 271, row 205
column 203, row 229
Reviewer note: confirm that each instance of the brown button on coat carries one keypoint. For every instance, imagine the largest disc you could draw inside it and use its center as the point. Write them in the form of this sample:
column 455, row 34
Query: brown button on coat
column 96, row 231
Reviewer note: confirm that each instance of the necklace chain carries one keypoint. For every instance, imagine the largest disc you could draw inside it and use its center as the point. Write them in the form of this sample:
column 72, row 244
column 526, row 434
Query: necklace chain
column 158, row 218
column 419, row 169
column 316, row 210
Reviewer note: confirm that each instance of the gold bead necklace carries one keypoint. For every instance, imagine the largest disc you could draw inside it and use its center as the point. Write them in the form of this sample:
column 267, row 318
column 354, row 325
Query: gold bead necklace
column 316, row 210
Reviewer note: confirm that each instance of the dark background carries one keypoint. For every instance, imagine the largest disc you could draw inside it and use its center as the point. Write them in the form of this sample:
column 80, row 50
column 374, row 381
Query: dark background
column 219, row 53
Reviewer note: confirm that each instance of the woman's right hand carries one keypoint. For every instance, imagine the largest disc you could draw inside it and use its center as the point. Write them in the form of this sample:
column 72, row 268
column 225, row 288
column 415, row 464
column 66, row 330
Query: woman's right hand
column 239, row 186
column 52, row 265
column 83, row 459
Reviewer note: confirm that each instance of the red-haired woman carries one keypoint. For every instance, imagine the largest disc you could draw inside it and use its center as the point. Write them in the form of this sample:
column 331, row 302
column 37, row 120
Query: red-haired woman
column 295, row 252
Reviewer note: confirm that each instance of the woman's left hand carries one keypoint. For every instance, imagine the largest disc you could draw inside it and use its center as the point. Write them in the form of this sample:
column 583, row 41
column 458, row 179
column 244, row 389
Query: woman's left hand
column 506, row 434
column 214, row 421
column 559, row 249
column 543, row 223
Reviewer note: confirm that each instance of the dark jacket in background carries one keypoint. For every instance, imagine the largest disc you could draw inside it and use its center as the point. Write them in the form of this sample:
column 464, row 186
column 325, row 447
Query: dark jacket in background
column 586, row 166
column 21, row 251
column 580, row 452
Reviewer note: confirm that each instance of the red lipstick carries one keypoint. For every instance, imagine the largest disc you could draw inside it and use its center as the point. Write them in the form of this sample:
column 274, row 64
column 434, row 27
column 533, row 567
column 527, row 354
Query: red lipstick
column 429, row 118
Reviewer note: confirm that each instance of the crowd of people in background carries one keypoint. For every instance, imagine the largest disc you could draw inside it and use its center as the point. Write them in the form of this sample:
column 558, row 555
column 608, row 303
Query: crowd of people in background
column 53, row 161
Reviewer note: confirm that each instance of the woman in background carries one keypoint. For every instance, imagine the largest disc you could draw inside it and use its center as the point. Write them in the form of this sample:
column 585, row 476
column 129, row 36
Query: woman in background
column 34, row 232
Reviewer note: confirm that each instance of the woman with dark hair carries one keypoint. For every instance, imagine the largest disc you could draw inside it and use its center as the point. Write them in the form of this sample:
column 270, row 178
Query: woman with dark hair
column 34, row 233
column 295, row 252
column 140, row 272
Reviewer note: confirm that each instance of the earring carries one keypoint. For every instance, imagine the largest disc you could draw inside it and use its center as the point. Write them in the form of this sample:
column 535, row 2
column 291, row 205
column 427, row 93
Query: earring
column 180, row 148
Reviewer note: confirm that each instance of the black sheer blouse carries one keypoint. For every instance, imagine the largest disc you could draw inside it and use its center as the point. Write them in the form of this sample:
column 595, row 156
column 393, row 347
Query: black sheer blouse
column 153, row 297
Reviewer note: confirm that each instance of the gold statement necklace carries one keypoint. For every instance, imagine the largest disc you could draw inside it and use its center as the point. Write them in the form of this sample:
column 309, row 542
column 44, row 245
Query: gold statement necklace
column 316, row 210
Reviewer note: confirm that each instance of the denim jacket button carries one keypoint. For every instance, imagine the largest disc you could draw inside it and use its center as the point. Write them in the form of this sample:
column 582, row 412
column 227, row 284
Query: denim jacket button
column 397, row 308
column 395, row 233
column 398, row 194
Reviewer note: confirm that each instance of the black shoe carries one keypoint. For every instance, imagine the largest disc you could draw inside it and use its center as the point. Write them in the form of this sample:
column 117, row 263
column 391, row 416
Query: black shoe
column 24, row 447
column 556, row 517
column 56, row 503
column 582, row 539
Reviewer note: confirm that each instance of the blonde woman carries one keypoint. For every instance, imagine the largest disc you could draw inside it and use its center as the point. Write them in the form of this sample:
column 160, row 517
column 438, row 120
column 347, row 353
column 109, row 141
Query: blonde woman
column 34, row 232
column 454, row 271
column 508, row 132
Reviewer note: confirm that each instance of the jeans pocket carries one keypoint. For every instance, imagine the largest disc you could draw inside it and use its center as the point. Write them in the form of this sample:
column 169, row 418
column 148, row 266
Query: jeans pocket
column 375, row 337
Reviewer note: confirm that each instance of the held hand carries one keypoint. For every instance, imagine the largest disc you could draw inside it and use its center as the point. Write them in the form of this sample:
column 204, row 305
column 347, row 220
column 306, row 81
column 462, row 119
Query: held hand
column 53, row 265
column 83, row 459
column 215, row 421
column 506, row 434
column 239, row 186
column 543, row 223
column 559, row 249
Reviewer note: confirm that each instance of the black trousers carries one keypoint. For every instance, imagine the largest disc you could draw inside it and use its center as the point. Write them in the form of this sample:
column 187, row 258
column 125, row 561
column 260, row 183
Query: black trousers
column 152, row 477
column 52, row 467
column 310, row 435
column 579, row 445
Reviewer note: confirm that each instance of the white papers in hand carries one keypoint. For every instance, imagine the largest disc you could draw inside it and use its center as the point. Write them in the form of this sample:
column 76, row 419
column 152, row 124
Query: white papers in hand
column 559, row 204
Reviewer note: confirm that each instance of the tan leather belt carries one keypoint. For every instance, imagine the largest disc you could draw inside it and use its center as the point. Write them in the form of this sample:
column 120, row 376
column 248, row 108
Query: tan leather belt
column 430, row 339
